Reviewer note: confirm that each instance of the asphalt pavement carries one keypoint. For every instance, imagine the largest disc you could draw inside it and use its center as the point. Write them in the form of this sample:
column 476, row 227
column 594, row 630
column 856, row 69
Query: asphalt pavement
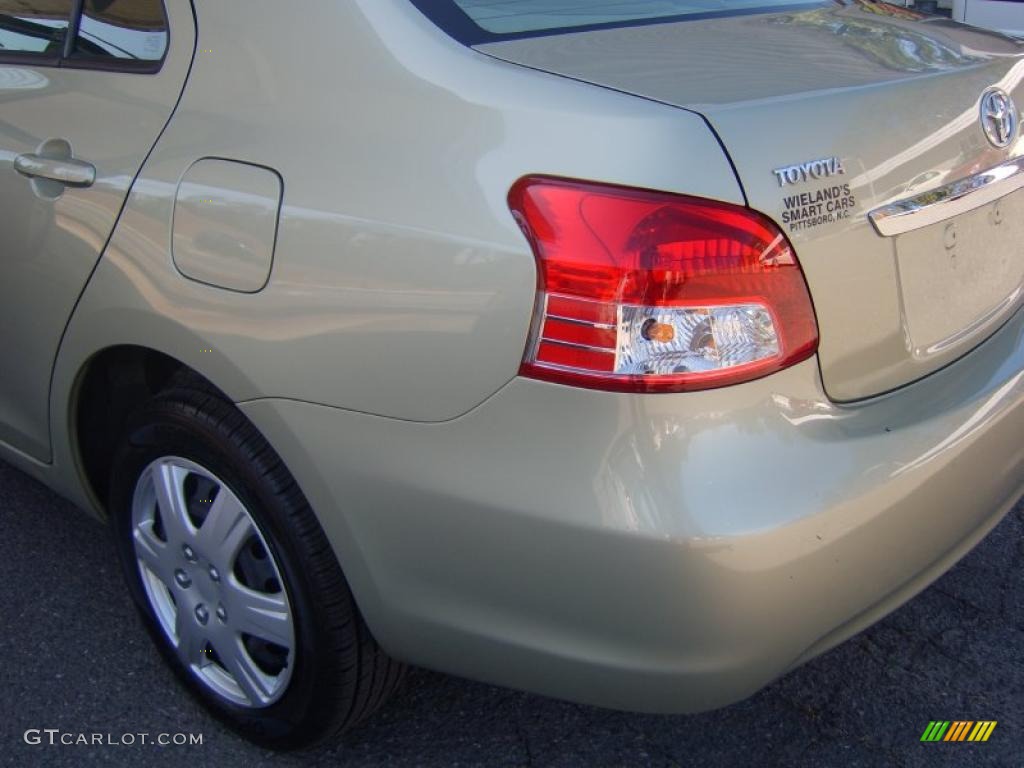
column 74, row 658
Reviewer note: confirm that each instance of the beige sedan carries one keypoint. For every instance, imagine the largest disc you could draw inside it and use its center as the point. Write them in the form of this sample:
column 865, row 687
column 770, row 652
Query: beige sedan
column 629, row 352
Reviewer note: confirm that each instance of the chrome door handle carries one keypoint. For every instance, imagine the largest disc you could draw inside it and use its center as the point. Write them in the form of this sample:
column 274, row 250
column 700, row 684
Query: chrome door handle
column 70, row 173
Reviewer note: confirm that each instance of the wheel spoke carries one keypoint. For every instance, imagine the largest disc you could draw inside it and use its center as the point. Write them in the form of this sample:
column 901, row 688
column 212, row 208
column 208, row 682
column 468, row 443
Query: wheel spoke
column 167, row 480
column 190, row 642
column 259, row 614
column 256, row 685
column 153, row 553
column 226, row 528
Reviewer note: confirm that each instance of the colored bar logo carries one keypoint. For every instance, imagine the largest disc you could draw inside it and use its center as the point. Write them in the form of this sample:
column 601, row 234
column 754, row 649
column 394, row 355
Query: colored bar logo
column 958, row 730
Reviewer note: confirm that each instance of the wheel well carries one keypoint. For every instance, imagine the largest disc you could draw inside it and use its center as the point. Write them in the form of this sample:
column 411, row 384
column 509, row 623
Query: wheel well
column 114, row 383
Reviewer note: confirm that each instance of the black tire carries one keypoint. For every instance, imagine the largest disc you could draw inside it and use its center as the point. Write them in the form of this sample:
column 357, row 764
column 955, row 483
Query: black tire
column 340, row 675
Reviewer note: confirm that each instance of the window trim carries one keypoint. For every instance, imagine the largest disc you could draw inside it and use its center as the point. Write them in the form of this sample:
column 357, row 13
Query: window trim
column 451, row 19
column 27, row 57
column 73, row 24
column 67, row 60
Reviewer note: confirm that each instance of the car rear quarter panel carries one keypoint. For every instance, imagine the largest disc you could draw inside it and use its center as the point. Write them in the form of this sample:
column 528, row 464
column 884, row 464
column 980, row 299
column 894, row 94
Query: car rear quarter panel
column 401, row 285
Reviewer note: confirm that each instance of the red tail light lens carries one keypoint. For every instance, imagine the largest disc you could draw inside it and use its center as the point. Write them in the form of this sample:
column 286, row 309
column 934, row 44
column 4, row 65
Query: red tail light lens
column 644, row 291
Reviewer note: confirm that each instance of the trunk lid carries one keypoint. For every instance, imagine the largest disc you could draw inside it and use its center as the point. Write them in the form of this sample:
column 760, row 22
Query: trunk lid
column 889, row 101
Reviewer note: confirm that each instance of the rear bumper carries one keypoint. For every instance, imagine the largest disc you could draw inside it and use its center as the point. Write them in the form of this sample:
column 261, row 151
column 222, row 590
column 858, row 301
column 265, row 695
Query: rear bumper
column 661, row 553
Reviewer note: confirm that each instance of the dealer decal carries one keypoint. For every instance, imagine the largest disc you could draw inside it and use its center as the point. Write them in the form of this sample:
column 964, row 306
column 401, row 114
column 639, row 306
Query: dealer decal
column 813, row 209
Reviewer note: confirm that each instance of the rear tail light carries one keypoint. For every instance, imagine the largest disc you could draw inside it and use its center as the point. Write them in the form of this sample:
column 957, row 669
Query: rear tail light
column 644, row 291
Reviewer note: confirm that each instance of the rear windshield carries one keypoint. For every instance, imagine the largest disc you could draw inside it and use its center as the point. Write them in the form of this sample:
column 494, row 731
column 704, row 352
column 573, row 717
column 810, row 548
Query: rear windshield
column 479, row 21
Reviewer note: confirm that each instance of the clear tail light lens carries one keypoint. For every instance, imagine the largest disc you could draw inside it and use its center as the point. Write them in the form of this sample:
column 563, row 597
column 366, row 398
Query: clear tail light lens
column 646, row 291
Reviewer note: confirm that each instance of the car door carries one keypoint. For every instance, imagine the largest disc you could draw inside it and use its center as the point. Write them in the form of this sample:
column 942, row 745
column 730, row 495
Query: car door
column 86, row 87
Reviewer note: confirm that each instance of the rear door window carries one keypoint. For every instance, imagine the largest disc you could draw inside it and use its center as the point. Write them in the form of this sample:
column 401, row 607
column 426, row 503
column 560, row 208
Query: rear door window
column 122, row 33
column 34, row 29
